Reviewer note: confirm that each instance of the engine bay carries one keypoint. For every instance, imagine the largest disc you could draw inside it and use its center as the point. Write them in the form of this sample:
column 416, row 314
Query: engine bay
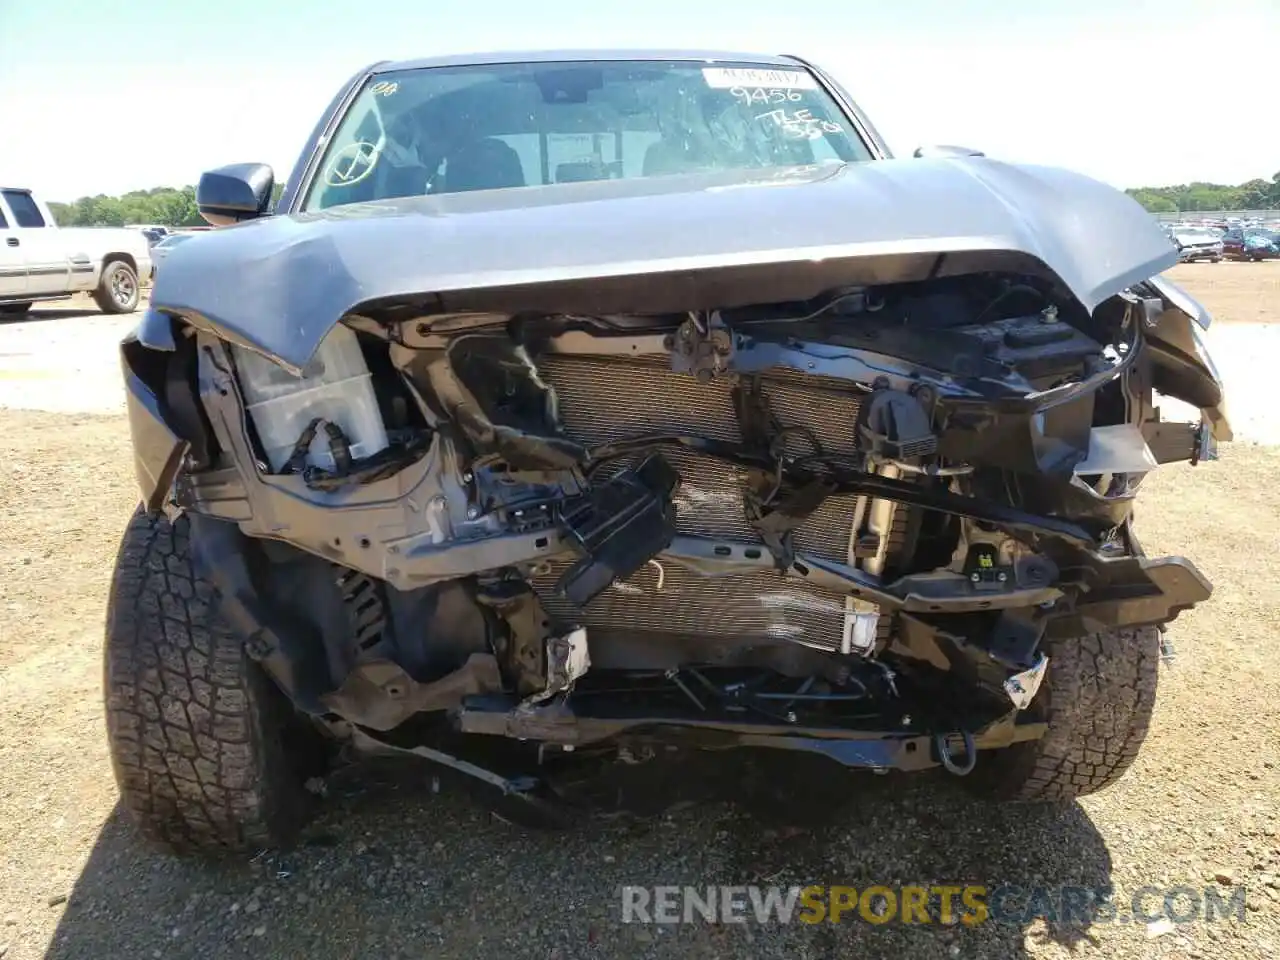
column 878, row 487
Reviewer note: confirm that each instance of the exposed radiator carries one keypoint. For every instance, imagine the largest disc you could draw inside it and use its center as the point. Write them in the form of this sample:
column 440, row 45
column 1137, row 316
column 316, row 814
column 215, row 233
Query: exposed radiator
column 753, row 607
column 606, row 399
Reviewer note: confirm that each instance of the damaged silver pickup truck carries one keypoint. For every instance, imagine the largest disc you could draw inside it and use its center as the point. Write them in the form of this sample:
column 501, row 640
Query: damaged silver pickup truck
column 572, row 407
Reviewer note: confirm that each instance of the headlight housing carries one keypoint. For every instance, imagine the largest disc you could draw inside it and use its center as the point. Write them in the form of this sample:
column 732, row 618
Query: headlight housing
column 336, row 387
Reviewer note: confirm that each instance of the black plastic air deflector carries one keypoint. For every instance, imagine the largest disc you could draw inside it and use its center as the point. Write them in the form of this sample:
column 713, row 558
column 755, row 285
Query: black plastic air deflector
column 619, row 527
column 893, row 425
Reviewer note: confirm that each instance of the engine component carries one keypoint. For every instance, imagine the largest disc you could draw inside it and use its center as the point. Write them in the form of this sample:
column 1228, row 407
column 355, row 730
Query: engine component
column 567, row 659
column 880, row 514
column 339, row 448
column 892, row 425
column 702, row 346
column 873, row 523
column 490, row 388
column 984, row 569
column 619, row 526
column 861, row 625
column 523, row 648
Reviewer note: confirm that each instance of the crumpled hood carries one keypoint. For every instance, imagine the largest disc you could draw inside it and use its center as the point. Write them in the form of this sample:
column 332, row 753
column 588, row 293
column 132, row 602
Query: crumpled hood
column 281, row 283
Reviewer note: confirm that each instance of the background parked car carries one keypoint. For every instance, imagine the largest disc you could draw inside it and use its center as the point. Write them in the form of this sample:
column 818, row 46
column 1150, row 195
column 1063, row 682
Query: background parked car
column 1198, row 245
column 1241, row 243
column 162, row 248
column 39, row 260
column 1271, row 236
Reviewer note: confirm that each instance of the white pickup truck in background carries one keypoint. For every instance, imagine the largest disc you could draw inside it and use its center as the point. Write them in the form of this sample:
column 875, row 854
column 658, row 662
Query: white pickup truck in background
column 41, row 261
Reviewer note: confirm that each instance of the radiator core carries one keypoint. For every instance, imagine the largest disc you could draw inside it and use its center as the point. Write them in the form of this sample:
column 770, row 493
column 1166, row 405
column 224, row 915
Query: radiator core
column 602, row 400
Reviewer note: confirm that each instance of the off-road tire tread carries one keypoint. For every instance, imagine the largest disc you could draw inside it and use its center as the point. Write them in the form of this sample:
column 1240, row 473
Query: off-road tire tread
column 195, row 728
column 1098, row 696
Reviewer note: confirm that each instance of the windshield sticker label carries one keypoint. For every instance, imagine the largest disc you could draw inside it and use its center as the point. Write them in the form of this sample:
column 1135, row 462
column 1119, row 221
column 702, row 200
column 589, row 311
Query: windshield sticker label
column 725, row 78
column 384, row 88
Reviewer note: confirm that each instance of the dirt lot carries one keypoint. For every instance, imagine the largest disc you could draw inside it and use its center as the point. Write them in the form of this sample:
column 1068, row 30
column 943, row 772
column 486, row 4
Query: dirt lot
column 395, row 869
column 1235, row 292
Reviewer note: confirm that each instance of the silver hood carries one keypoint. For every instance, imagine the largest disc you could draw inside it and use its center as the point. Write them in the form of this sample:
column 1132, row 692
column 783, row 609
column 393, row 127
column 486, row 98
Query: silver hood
column 660, row 244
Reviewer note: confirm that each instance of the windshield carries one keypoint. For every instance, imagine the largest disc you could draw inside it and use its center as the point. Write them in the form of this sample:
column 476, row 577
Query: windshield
column 451, row 129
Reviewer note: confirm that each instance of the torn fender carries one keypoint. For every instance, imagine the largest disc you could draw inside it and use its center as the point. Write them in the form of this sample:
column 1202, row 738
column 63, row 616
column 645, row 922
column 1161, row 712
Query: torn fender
column 1183, row 367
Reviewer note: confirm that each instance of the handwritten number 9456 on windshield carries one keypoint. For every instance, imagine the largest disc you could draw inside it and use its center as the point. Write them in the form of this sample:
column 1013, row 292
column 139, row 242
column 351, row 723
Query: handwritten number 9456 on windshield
column 763, row 95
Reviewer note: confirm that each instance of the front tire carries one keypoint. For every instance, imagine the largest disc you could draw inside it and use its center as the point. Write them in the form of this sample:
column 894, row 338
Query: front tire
column 118, row 290
column 1097, row 698
column 208, row 754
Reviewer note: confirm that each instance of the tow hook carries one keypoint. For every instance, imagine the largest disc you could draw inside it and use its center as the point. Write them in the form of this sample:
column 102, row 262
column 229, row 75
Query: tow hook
column 962, row 767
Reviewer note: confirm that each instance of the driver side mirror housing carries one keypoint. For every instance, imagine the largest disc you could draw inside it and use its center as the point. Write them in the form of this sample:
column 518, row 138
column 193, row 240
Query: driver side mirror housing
column 234, row 193
column 946, row 150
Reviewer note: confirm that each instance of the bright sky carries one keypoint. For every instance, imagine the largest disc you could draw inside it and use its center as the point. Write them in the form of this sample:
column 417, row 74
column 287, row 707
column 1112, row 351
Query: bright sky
column 102, row 98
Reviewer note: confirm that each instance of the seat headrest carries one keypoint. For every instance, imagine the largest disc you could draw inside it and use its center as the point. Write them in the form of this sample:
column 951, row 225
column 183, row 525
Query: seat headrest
column 486, row 164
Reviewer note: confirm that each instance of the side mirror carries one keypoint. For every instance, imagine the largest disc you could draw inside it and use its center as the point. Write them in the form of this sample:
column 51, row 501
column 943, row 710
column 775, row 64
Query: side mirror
column 241, row 191
column 944, row 150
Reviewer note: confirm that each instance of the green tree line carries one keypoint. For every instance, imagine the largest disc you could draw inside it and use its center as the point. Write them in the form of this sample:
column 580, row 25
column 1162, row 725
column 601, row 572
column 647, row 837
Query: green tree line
column 1189, row 197
column 170, row 206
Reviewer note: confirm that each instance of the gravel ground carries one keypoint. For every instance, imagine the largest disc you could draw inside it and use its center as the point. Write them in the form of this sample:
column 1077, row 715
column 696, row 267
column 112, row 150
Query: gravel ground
column 402, row 863
column 63, row 359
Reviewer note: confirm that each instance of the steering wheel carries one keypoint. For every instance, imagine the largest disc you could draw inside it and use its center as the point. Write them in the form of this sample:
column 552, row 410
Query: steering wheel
column 351, row 164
